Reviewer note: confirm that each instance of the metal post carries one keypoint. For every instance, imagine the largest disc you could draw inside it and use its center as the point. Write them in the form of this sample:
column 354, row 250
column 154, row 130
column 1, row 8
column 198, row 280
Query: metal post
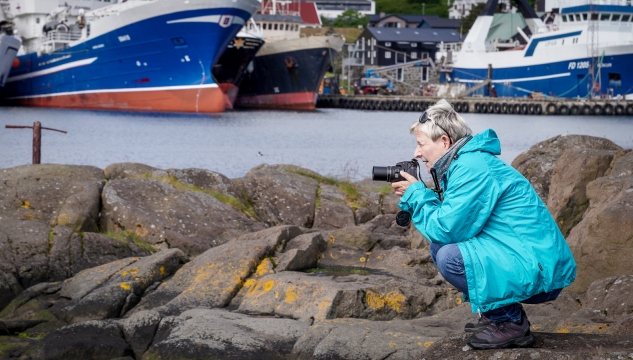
column 37, row 142
column 37, row 138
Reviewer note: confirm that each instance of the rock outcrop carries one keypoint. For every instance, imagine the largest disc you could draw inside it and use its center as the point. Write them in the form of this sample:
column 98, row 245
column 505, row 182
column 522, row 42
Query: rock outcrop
column 602, row 241
column 539, row 161
column 285, row 264
column 66, row 195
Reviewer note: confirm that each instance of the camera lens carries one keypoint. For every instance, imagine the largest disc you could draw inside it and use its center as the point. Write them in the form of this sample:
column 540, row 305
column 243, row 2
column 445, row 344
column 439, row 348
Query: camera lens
column 381, row 173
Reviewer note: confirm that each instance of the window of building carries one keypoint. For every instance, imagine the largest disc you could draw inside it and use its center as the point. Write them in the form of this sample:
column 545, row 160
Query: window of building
column 368, row 54
column 414, row 44
column 387, row 43
column 373, row 54
column 287, row 27
column 400, row 75
column 424, row 55
column 414, row 55
column 425, row 74
column 373, row 41
column 615, row 17
column 296, row 27
column 275, row 26
column 387, row 54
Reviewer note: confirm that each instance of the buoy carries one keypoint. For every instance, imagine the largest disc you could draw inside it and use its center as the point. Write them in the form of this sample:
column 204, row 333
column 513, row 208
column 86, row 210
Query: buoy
column 16, row 62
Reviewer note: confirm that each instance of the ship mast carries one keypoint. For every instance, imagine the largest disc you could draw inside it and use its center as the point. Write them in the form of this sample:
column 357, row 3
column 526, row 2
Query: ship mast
column 593, row 51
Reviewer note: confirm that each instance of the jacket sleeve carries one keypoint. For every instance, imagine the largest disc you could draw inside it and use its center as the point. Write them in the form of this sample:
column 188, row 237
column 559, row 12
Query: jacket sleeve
column 470, row 197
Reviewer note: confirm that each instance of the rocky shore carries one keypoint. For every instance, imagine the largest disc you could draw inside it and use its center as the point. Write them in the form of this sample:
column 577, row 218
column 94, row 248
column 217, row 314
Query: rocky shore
column 134, row 262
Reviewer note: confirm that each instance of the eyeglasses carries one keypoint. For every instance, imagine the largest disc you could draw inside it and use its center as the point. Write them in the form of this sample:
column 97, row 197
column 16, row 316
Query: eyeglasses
column 424, row 118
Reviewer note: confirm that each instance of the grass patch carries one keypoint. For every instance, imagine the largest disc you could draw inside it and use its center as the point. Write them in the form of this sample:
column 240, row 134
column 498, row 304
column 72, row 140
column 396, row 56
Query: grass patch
column 384, row 190
column 353, row 197
column 229, row 200
column 31, row 336
column 125, row 238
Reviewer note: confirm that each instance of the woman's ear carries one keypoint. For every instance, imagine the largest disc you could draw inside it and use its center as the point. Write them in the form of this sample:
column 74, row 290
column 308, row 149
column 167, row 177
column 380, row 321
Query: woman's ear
column 447, row 141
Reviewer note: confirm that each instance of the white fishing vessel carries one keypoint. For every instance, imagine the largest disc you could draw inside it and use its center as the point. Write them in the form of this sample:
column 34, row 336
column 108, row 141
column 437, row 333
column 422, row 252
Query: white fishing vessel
column 579, row 48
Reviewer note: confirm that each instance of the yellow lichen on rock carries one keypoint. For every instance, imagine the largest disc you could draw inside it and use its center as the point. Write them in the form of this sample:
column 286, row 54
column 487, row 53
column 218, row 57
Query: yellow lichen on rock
column 393, row 299
column 428, row 343
column 291, row 295
column 268, row 285
column 393, row 344
column 125, row 286
column 140, row 231
column 26, row 204
column 458, row 300
column 162, row 271
column 248, row 283
column 265, row 267
column 62, row 219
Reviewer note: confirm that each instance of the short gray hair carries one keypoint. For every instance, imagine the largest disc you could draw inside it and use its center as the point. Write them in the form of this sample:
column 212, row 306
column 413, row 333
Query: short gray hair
column 442, row 114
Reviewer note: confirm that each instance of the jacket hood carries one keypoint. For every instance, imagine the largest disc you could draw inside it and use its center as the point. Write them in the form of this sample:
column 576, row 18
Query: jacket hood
column 486, row 141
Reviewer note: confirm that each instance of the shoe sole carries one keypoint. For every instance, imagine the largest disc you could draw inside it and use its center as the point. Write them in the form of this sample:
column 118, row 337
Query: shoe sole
column 525, row 341
column 474, row 330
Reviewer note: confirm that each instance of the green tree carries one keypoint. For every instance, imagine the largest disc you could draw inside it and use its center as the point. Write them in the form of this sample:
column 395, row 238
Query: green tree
column 469, row 20
column 351, row 19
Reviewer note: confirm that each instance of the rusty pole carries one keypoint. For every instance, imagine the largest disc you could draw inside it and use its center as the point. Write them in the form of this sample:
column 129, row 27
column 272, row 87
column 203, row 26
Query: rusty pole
column 37, row 138
column 37, row 142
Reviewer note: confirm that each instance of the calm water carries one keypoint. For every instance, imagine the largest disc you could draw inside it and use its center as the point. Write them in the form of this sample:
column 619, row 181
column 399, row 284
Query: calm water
column 342, row 143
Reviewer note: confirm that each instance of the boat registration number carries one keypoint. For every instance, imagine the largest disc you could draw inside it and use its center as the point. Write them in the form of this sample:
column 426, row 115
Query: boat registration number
column 578, row 65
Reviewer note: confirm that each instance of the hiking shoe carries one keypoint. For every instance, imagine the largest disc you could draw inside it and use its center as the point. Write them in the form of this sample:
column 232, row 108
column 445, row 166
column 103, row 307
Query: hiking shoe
column 478, row 325
column 503, row 335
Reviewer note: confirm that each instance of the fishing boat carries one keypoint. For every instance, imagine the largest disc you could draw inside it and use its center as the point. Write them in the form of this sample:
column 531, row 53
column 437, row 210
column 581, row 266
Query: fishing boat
column 148, row 55
column 9, row 45
column 579, row 48
column 234, row 62
column 288, row 70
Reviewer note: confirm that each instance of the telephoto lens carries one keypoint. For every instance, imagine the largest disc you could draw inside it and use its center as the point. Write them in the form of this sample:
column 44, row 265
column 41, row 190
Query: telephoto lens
column 403, row 218
column 382, row 173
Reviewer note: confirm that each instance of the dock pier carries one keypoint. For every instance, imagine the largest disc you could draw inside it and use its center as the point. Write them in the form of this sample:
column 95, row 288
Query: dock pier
column 523, row 106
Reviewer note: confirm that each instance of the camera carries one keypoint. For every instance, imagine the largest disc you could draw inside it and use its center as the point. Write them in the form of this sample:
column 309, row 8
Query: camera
column 392, row 173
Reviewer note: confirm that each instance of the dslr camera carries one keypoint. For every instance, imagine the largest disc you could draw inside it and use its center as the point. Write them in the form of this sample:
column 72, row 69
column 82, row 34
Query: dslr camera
column 392, row 173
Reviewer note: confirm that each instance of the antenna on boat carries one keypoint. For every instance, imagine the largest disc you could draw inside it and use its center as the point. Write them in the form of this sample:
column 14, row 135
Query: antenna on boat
column 594, row 86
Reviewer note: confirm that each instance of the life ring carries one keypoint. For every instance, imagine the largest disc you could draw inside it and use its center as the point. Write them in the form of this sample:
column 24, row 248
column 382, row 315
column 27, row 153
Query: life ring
column 554, row 27
column 597, row 109
column 596, row 87
column 290, row 62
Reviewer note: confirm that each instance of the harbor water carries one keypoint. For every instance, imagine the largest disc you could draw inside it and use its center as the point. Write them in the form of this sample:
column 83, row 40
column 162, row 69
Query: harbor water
column 334, row 142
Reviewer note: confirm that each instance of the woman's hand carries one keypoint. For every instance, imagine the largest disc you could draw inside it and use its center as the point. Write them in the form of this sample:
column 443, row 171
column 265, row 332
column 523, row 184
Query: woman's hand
column 401, row 186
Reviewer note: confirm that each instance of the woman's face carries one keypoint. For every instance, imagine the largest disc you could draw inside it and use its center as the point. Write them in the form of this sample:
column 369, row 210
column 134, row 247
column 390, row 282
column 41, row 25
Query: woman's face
column 428, row 150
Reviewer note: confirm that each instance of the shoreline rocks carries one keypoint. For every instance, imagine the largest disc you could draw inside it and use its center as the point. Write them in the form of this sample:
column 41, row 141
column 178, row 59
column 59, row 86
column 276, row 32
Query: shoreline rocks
column 135, row 262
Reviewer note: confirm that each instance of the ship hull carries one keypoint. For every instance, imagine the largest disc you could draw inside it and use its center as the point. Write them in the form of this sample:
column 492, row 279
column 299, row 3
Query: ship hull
column 230, row 69
column 567, row 78
column 156, row 57
column 287, row 74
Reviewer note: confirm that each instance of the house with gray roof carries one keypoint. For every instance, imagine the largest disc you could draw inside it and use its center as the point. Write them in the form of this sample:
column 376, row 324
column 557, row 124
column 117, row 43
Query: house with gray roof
column 389, row 46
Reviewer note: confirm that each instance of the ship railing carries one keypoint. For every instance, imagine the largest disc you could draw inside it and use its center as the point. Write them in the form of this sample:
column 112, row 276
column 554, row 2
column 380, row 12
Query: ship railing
column 56, row 40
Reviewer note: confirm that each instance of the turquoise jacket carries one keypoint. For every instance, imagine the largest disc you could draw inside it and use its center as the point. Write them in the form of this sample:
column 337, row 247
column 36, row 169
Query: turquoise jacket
column 510, row 243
